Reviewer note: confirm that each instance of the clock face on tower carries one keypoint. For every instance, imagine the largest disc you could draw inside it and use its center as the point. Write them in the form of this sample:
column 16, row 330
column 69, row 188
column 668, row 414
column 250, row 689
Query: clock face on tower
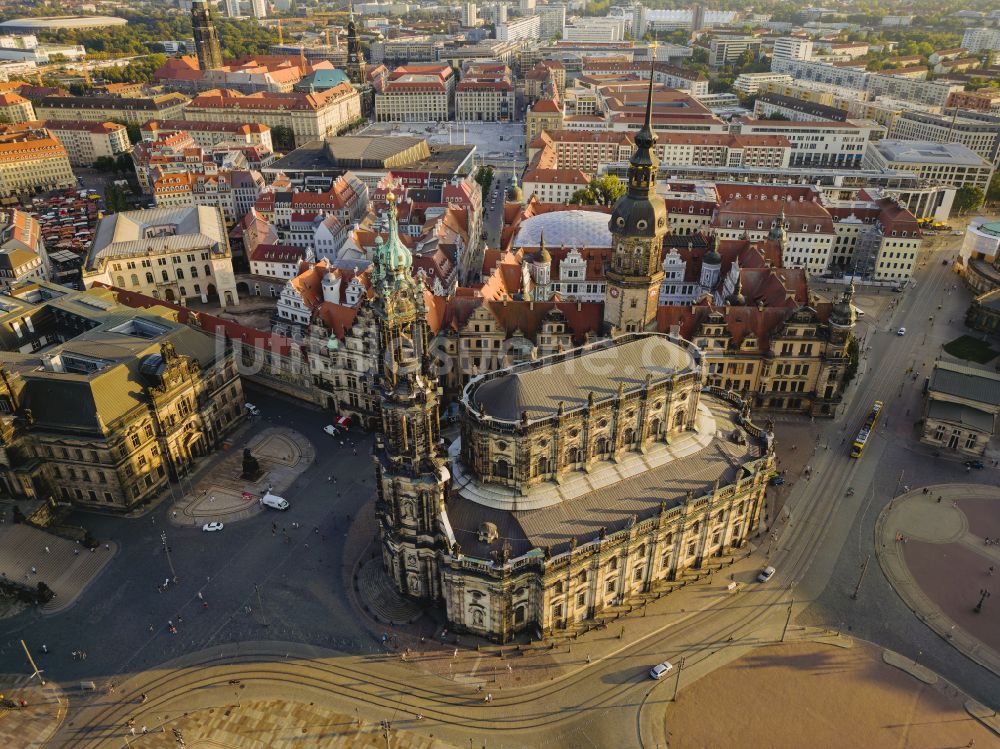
column 614, row 292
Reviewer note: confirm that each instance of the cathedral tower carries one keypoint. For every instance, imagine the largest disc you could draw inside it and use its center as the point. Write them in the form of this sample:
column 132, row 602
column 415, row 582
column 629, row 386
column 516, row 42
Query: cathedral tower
column 206, row 39
column 410, row 465
column 355, row 55
column 638, row 225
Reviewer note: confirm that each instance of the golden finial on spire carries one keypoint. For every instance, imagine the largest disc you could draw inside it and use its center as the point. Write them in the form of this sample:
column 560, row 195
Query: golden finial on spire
column 390, row 197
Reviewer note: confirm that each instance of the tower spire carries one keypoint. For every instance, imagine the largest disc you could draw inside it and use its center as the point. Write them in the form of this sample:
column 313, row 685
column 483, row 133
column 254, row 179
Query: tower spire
column 643, row 164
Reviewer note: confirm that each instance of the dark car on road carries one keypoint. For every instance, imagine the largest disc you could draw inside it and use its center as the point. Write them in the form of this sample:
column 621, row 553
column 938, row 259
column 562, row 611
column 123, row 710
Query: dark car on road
column 977, row 464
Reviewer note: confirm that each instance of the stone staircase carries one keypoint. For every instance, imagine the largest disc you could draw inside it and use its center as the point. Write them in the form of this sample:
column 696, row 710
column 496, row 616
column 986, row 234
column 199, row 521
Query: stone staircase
column 380, row 598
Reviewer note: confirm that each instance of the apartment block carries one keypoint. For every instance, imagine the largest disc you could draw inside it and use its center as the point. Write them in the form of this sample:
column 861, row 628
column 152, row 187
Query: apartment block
column 85, row 142
column 526, row 27
column 15, row 109
column 208, row 134
column 793, row 48
column 749, row 84
column 111, row 108
column 32, row 159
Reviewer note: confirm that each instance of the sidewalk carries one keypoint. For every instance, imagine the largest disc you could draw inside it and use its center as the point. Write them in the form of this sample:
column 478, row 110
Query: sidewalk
column 31, row 726
column 915, row 526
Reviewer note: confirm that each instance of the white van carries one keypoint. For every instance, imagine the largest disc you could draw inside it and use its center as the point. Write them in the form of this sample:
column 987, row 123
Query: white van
column 274, row 501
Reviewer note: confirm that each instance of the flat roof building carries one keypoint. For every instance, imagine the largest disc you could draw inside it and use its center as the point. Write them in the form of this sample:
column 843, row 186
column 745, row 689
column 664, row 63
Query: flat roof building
column 945, row 163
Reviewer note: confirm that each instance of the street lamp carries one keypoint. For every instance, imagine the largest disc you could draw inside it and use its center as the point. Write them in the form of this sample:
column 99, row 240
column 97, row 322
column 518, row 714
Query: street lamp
column 173, row 573
column 983, row 595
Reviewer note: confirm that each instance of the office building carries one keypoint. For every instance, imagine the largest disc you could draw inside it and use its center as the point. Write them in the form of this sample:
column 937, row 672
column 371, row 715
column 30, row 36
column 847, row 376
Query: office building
column 417, row 93
column 977, row 131
column 727, row 50
column 484, row 94
column 944, row 163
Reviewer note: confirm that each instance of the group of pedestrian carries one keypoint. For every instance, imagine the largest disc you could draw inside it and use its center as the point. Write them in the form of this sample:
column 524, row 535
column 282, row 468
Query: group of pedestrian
column 79, row 655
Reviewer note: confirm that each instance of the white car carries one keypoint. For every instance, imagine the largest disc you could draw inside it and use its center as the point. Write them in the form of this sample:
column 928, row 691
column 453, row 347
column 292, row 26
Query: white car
column 765, row 574
column 901, row 331
column 251, row 409
column 659, row 671
column 210, row 527
column 331, row 430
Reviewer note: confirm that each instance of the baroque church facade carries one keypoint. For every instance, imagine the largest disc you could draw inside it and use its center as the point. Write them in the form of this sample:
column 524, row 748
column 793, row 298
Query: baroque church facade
column 503, row 529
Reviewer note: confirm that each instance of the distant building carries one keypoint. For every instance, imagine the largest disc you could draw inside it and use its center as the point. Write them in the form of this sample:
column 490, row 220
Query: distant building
column 526, row 27
column 469, row 15
column 793, row 48
column 976, row 40
column 725, row 50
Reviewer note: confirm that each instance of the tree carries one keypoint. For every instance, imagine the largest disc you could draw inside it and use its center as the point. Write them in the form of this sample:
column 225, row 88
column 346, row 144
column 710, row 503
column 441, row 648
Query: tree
column 603, row 190
column 115, row 199
column 124, row 163
column 484, row 176
column 993, row 192
column 282, row 138
column 968, row 198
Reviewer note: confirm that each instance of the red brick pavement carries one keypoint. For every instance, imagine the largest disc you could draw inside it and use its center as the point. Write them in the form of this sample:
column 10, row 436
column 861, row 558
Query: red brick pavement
column 953, row 574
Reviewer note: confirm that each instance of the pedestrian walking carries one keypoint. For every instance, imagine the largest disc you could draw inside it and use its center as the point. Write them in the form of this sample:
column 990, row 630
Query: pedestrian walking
column 47, row 550
column 45, row 648
column 34, row 571
column 142, row 698
column 144, row 730
column 200, row 597
column 990, row 572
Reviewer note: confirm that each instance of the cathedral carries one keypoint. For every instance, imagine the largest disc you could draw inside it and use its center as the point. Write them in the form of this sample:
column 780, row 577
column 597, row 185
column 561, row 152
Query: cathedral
column 582, row 479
